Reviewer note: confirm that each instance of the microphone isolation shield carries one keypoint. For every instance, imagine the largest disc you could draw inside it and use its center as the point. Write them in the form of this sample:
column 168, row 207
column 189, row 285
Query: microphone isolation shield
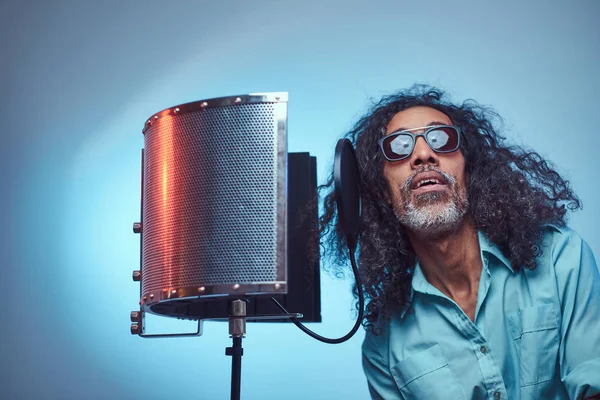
column 214, row 187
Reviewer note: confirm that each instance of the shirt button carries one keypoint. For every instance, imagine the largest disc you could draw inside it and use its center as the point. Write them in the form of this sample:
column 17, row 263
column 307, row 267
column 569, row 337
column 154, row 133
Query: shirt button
column 497, row 395
column 484, row 350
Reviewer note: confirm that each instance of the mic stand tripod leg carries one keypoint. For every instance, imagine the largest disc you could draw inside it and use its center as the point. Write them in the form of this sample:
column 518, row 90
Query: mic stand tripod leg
column 237, row 329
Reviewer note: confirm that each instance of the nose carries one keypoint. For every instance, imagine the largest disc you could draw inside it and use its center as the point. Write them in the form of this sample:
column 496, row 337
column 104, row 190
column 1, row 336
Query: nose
column 423, row 154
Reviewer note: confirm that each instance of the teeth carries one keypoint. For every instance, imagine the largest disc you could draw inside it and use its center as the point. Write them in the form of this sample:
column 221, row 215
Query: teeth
column 423, row 182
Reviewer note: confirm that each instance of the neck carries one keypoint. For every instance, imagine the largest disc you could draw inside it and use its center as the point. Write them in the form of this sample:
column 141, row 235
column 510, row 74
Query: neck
column 451, row 262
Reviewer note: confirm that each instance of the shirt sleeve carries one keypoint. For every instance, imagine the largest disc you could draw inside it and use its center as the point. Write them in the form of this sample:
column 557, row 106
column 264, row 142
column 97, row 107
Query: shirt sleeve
column 578, row 281
column 382, row 385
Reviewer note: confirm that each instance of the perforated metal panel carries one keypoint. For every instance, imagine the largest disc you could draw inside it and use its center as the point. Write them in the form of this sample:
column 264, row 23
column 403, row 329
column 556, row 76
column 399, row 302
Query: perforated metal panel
column 214, row 198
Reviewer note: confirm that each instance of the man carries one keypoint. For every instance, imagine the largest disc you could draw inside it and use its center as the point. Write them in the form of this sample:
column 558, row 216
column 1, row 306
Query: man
column 475, row 287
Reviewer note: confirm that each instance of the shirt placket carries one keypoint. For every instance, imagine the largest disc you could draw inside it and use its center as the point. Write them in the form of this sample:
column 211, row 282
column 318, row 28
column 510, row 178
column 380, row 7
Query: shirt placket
column 490, row 371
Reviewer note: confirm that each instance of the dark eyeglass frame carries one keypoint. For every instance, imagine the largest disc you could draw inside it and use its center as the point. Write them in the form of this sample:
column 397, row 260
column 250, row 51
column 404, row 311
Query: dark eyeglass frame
column 415, row 136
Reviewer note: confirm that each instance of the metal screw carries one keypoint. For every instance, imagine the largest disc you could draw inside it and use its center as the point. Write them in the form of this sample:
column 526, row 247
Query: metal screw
column 236, row 286
column 137, row 227
column 204, row 104
column 156, row 117
column 174, row 291
column 201, row 289
column 137, row 275
column 177, row 110
column 238, row 99
column 277, row 286
column 151, row 296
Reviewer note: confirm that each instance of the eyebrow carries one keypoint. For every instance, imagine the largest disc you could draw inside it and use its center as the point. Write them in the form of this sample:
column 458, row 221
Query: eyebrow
column 430, row 124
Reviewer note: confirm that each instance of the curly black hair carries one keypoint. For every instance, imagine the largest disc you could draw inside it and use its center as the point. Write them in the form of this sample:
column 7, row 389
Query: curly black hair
column 512, row 193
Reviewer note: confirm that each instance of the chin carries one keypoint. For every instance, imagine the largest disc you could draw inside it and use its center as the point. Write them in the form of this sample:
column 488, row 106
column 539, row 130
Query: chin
column 432, row 216
column 440, row 199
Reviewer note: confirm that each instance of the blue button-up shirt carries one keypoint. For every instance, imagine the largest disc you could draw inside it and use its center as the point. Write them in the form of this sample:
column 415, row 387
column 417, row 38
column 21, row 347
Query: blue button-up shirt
column 536, row 334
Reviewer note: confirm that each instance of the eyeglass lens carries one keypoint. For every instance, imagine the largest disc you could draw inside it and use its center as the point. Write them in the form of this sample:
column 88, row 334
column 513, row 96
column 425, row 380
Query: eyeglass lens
column 443, row 139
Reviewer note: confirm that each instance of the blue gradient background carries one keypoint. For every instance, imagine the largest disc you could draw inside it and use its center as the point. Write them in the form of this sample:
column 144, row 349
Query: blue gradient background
column 78, row 79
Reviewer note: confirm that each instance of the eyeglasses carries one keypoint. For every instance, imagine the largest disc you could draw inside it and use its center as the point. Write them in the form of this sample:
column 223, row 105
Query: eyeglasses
column 399, row 145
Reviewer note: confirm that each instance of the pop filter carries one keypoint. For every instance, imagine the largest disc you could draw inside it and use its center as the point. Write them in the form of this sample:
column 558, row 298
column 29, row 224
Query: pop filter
column 347, row 193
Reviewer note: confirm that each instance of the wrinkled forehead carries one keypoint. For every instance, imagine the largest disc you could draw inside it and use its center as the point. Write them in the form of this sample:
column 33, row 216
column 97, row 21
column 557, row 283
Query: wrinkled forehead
column 416, row 117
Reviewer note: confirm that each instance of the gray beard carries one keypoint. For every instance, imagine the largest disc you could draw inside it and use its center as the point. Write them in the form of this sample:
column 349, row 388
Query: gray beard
column 432, row 213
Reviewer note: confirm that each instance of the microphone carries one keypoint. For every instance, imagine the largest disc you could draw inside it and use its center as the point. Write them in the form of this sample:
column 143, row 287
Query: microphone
column 215, row 217
column 348, row 203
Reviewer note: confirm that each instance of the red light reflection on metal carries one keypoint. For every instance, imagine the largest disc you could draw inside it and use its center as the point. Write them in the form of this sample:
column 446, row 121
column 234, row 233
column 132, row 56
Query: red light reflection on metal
column 166, row 151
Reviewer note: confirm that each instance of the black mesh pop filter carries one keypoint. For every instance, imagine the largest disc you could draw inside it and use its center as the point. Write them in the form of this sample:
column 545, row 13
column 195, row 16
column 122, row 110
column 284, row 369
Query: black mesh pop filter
column 347, row 193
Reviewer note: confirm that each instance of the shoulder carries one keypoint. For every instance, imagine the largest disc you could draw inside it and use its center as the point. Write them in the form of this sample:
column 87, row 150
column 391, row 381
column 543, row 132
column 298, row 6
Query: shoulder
column 569, row 258
column 376, row 340
column 563, row 247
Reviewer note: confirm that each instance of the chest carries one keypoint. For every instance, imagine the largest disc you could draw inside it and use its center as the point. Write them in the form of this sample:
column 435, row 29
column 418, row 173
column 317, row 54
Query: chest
column 468, row 305
column 501, row 344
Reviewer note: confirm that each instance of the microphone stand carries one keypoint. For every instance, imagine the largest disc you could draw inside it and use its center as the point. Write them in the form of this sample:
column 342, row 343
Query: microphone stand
column 237, row 330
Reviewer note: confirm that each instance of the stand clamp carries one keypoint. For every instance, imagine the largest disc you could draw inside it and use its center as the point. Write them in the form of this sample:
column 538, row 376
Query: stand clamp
column 237, row 330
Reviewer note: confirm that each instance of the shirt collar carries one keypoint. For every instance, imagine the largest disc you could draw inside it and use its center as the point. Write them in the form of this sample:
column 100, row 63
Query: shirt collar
column 488, row 247
column 420, row 284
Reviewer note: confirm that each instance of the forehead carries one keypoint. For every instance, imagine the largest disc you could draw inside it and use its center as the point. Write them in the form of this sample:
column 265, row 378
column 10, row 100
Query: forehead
column 416, row 117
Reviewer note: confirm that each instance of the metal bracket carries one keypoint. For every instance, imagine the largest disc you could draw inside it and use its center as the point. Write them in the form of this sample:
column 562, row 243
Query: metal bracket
column 138, row 327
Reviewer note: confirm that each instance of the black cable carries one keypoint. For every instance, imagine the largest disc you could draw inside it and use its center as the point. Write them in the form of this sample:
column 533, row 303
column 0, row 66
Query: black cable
column 361, row 305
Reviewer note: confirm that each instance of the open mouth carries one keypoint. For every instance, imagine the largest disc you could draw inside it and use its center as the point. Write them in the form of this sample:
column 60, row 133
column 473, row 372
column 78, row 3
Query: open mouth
column 427, row 182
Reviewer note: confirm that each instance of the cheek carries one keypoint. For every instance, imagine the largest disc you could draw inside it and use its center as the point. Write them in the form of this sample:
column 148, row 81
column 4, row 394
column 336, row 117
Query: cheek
column 394, row 179
column 463, row 176
column 388, row 175
column 389, row 192
column 456, row 167
column 460, row 176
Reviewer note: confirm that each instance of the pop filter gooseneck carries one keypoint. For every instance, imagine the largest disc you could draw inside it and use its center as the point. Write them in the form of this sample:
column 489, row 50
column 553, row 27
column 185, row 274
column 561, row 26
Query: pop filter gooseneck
column 347, row 197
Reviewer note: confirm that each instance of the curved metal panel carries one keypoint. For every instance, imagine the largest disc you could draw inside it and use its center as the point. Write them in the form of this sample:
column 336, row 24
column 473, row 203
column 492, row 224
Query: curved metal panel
column 214, row 199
